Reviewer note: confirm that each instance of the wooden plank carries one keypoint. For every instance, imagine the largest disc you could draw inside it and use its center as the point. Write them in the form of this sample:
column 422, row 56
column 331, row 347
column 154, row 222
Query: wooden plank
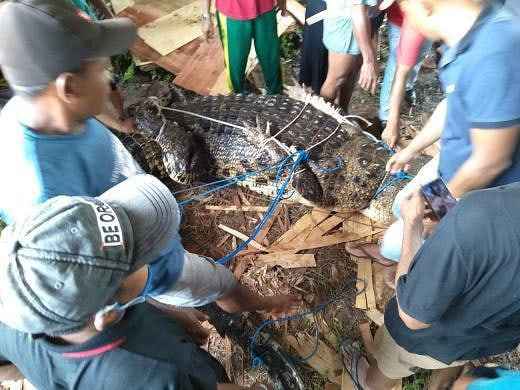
column 286, row 260
column 308, row 220
column 332, row 239
column 120, row 5
column 237, row 208
column 324, row 227
column 242, row 236
column 399, row 384
column 375, row 316
column 326, row 361
column 325, row 330
column 203, row 68
column 369, row 290
column 297, row 11
column 366, row 336
column 361, row 299
column 173, row 30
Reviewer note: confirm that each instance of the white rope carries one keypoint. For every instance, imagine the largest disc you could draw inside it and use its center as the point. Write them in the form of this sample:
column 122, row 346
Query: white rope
column 358, row 117
column 322, row 141
column 203, row 117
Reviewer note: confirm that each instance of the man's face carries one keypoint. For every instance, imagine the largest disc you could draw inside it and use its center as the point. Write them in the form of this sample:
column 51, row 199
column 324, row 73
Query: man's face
column 420, row 14
column 91, row 88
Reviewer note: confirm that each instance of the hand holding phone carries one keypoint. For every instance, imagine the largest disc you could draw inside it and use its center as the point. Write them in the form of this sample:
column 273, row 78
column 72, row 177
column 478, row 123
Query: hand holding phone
column 438, row 197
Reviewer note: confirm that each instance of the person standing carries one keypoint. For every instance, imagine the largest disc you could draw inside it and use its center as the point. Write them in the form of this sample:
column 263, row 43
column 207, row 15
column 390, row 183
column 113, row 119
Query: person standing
column 239, row 24
column 314, row 61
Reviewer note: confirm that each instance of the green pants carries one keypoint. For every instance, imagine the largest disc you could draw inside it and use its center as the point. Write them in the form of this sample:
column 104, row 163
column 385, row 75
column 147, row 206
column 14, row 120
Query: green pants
column 236, row 36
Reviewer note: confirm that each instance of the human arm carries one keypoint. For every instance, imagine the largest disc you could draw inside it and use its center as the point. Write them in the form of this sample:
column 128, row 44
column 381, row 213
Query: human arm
column 362, row 32
column 430, row 133
column 492, row 153
column 10, row 372
column 412, row 212
column 207, row 25
column 410, row 43
column 390, row 134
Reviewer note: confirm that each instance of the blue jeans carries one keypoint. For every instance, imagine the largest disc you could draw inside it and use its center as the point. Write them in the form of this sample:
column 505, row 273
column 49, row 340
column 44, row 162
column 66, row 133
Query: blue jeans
column 394, row 31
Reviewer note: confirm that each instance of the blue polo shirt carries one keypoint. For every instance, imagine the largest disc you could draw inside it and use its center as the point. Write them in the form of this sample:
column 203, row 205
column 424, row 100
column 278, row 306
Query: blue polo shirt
column 481, row 80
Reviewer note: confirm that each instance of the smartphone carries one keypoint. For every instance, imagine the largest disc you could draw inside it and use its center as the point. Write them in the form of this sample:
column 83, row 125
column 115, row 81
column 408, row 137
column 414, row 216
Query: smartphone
column 438, row 197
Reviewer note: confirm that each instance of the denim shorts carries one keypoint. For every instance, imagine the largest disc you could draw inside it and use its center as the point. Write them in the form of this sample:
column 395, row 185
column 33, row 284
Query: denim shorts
column 338, row 36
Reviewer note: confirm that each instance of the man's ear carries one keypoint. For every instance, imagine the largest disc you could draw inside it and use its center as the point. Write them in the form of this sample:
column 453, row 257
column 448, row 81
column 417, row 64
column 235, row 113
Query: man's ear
column 66, row 87
column 111, row 317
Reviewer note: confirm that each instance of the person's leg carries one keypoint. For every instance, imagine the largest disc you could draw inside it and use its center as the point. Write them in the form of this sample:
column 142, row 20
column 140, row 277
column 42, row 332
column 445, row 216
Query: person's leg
column 441, row 379
column 340, row 68
column 236, row 36
column 346, row 90
column 267, row 46
column 394, row 32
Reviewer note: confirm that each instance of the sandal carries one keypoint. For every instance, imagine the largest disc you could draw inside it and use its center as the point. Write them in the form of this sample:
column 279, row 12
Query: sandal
column 384, row 263
column 356, row 356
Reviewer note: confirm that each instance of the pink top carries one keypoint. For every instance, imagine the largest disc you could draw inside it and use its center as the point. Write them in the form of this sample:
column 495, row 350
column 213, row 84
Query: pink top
column 410, row 42
column 244, row 9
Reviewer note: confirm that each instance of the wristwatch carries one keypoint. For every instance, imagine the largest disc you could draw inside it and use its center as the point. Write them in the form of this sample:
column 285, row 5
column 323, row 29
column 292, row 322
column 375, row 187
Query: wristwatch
column 206, row 16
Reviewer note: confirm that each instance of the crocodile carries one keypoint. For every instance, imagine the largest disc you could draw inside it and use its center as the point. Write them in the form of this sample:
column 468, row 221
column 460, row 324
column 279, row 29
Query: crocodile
column 210, row 137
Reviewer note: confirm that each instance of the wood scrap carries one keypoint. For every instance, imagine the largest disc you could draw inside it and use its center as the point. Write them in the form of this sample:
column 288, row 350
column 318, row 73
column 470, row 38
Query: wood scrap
column 367, row 338
column 326, row 361
column 241, row 216
column 237, row 208
column 246, row 202
column 375, row 316
column 228, row 355
column 261, row 236
column 242, row 236
column 332, row 239
column 369, row 291
column 241, row 266
column 286, row 260
column 325, row 330
column 173, row 30
column 223, row 240
column 307, row 221
column 361, row 298
column 120, row 5
column 325, row 226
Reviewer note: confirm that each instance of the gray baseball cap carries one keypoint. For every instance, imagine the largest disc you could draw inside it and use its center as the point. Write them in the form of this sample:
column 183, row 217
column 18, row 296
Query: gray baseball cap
column 65, row 259
column 40, row 39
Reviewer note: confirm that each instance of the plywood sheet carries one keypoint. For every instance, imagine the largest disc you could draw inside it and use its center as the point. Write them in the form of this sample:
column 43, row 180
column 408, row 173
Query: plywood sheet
column 173, row 30
column 287, row 260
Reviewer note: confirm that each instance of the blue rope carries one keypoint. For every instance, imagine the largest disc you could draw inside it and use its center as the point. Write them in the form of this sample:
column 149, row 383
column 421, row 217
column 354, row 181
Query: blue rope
column 385, row 146
column 338, row 166
column 397, row 176
column 257, row 360
column 300, row 156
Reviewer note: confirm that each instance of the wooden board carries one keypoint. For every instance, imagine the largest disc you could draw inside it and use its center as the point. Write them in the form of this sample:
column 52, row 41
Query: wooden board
column 242, row 236
column 173, row 30
column 286, row 260
column 367, row 338
column 331, row 239
column 361, row 299
column 120, row 5
column 209, row 57
column 309, row 220
column 326, row 361
column 376, row 316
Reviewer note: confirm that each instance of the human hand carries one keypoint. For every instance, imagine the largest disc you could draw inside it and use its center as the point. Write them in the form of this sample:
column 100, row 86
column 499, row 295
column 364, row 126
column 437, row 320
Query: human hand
column 281, row 305
column 390, row 134
column 282, row 5
column 207, row 29
column 413, row 207
column 368, row 76
column 400, row 162
column 191, row 320
column 429, row 225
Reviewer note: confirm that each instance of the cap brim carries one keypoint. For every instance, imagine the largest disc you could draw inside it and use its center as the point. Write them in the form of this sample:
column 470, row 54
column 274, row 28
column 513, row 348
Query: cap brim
column 153, row 214
column 116, row 36
column 385, row 4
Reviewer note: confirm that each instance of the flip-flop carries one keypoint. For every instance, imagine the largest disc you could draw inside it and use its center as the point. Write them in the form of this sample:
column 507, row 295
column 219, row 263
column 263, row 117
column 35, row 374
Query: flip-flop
column 353, row 369
column 386, row 263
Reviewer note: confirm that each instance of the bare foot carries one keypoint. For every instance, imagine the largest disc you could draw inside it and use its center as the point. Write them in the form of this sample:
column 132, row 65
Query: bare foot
column 369, row 251
column 355, row 363
column 282, row 305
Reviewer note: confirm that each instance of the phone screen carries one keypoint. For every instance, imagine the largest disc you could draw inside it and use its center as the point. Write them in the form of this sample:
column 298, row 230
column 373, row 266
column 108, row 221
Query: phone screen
column 438, row 197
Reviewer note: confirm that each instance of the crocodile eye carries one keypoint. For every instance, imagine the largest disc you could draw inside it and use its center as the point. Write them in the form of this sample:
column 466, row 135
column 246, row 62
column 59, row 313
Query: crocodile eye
column 363, row 162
